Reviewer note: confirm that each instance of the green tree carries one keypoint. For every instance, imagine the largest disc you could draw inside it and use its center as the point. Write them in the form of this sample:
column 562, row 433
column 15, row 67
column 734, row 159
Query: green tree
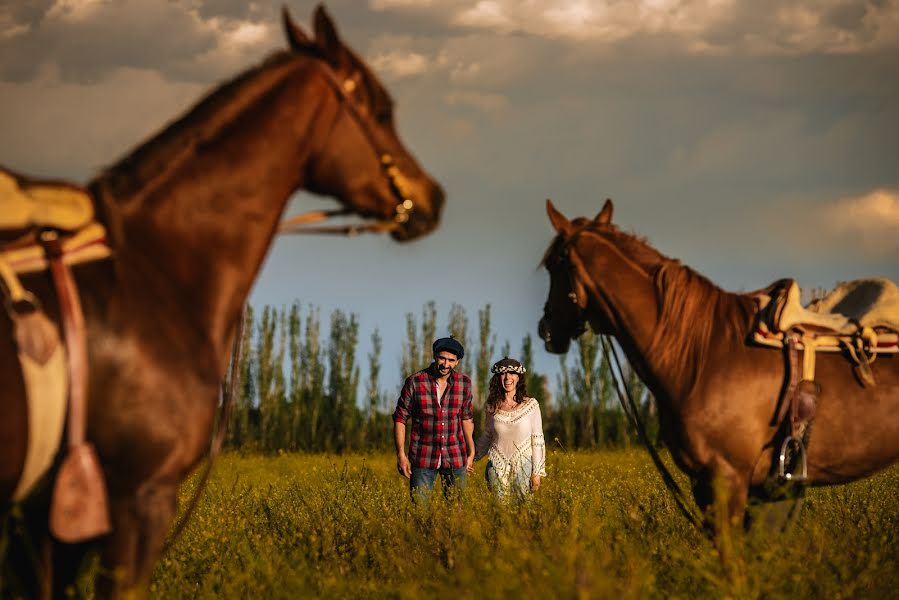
column 343, row 380
column 239, row 431
column 428, row 333
column 373, row 390
column 458, row 328
column 312, row 380
column 485, row 353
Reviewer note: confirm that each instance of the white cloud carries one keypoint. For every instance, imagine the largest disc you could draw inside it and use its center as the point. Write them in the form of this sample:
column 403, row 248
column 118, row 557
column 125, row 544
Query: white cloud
column 488, row 14
column 483, row 101
column 697, row 26
column 390, row 4
column 9, row 28
column 398, row 64
column 872, row 220
column 74, row 10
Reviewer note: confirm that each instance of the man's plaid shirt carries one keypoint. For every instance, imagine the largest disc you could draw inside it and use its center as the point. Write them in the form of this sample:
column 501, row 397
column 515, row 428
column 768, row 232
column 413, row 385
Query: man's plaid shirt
column 437, row 436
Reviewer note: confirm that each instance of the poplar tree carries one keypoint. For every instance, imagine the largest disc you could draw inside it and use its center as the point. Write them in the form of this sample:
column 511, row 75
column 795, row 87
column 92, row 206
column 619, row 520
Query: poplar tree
column 428, row 333
column 458, row 328
column 296, row 388
column 373, row 390
column 485, row 352
column 312, row 378
column 239, row 430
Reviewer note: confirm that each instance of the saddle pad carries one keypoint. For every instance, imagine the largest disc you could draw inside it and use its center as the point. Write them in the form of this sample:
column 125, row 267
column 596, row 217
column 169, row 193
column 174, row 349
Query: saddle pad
column 46, row 388
column 43, row 205
column 844, row 311
column 869, row 302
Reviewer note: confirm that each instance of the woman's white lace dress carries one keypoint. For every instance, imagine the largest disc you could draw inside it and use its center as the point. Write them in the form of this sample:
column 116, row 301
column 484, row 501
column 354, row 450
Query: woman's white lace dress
column 513, row 441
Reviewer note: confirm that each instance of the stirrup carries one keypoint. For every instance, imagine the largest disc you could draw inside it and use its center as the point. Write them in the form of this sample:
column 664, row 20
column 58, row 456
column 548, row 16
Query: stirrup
column 795, row 444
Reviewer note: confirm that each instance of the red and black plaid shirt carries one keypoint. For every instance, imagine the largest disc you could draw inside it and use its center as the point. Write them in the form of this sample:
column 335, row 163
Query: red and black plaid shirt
column 437, row 436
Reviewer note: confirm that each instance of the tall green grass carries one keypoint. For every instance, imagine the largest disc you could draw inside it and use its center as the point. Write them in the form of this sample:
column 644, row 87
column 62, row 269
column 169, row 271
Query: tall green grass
column 601, row 526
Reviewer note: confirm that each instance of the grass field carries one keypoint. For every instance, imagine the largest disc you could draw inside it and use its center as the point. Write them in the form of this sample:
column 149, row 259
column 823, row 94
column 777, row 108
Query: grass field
column 602, row 526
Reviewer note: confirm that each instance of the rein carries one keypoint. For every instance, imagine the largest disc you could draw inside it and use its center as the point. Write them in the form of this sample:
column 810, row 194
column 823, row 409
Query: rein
column 226, row 396
column 630, row 409
column 399, row 184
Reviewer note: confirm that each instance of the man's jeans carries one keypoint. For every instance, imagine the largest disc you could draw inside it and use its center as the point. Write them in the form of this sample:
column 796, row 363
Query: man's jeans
column 422, row 481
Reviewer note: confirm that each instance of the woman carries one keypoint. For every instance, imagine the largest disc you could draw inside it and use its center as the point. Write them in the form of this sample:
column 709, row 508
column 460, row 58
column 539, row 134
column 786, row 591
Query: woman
column 513, row 438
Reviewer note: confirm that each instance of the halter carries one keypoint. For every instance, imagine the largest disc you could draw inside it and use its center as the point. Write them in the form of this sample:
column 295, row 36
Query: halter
column 564, row 253
column 399, row 183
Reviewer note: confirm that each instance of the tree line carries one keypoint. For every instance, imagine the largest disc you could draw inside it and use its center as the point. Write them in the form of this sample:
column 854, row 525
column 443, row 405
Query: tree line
column 300, row 382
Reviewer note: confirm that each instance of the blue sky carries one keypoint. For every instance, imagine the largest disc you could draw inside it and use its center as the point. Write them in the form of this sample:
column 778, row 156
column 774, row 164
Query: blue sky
column 752, row 140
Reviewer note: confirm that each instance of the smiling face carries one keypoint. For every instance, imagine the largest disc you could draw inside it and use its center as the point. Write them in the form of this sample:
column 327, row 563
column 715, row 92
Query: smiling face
column 510, row 382
column 445, row 362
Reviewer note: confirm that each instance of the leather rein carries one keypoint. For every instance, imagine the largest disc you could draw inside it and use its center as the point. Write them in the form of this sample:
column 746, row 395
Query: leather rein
column 398, row 182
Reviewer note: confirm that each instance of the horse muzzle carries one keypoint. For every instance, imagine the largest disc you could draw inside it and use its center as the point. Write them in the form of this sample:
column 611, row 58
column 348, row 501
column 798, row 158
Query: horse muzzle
column 423, row 218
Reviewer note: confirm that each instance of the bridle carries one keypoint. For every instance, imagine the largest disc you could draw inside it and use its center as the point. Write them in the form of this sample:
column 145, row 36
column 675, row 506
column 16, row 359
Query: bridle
column 399, row 183
column 561, row 256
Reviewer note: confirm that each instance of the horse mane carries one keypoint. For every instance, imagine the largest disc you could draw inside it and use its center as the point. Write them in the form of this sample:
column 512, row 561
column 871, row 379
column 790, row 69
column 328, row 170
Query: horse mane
column 692, row 310
column 178, row 141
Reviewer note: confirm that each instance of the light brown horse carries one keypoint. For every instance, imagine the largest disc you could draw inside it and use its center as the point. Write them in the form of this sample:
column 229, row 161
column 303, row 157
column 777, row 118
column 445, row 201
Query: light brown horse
column 717, row 393
column 190, row 215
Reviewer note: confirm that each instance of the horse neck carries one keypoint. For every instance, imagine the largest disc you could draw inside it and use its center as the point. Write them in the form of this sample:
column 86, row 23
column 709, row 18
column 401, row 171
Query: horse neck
column 190, row 239
column 666, row 347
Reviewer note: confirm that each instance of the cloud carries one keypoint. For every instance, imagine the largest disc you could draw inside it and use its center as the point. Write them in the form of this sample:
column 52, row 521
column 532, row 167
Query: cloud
column 488, row 14
column 399, row 65
column 482, row 101
column 89, row 39
column 71, row 130
column 695, row 26
column 871, row 221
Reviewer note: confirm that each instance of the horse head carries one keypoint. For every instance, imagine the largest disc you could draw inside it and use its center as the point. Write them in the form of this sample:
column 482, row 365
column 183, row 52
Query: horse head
column 564, row 314
column 587, row 262
column 363, row 162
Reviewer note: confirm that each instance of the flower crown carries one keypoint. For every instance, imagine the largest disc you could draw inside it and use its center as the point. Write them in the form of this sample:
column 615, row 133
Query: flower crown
column 498, row 369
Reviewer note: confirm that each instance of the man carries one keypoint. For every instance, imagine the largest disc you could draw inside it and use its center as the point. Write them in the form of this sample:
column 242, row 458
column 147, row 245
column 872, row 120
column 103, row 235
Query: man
column 438, row 401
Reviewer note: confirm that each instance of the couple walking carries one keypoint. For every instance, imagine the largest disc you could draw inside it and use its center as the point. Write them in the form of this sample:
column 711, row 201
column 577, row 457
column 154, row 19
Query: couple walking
column 437, row 401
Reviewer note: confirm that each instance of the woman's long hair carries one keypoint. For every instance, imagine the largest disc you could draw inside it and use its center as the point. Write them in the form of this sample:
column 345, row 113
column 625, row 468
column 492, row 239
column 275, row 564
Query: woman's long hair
column 496, row 394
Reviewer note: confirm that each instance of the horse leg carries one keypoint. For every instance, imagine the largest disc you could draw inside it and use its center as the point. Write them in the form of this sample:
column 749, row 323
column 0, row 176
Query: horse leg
column 67, row 562
column 140, row 526
column 774, row 516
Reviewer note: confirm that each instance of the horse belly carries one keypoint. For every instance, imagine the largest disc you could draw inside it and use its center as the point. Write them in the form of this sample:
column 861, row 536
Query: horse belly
column 856, row 429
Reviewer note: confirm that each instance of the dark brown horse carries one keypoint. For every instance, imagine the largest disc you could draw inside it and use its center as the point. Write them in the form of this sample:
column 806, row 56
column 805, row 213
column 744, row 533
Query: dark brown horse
column 717, row 394
column 190, row 215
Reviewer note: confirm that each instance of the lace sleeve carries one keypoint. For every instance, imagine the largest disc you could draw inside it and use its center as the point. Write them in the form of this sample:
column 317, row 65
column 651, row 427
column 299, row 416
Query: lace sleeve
column 538, row 443
column 486, row 438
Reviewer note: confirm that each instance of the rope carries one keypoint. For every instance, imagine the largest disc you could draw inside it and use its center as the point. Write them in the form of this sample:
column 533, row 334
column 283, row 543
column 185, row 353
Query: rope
column 630, row 409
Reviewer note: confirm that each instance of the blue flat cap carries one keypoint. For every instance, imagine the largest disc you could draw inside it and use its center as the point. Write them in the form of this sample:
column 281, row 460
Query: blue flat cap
column 450, row 344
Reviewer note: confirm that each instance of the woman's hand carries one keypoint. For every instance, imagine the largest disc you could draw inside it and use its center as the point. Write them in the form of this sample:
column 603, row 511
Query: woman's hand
column 535, row 482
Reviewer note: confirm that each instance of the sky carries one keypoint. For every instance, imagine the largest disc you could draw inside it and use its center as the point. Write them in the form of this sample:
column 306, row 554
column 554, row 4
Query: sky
column 751, row 139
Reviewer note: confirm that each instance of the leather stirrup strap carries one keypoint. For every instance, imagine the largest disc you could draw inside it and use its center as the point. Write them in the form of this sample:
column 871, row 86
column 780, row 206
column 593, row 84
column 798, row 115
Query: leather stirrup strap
column 786, row 407
column 74, row 333
column 79, row 507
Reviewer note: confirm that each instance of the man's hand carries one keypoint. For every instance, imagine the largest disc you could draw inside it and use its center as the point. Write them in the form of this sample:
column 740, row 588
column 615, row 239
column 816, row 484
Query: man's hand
column 535, row 483
column 469, row 463
column 403, row 465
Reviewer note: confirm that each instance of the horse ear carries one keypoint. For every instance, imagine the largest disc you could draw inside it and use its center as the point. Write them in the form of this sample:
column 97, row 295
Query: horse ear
column 295, row 35
column 326, row 36
column 605, row 215
column 558, row 220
